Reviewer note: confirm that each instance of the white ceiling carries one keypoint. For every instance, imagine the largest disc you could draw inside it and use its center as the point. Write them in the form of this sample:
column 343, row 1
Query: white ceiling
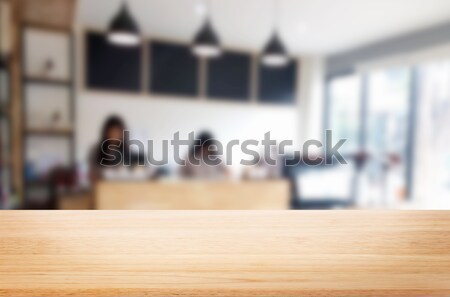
column 307, row 26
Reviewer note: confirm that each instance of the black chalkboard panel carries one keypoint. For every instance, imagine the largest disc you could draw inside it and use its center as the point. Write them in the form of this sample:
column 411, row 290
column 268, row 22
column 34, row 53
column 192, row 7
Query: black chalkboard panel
column 111, row 67
column 277, row 85
column 173, row 69
column 229, row 77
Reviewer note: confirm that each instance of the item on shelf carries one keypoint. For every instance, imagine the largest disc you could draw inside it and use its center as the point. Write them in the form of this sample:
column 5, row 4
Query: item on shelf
column 29, row 172
column 48, row 67
column 56, row 119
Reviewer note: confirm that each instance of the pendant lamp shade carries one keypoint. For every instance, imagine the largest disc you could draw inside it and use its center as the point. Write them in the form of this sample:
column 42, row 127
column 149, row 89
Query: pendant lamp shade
column 206, row 43
column 123, row 29
column 275, row 54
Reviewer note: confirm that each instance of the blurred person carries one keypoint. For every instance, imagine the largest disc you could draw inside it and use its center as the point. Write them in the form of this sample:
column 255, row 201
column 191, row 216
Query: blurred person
column 197, row 165
column 107, row 157
column 261, row 169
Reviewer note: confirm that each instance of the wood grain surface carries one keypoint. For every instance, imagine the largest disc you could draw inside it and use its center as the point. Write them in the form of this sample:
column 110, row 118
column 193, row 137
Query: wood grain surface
column 193, row 195
column 224, row 253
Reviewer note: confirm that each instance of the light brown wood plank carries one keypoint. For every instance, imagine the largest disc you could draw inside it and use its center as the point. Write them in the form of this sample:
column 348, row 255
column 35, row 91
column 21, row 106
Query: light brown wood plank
column 193, row 195
column 224, row 253
column 50, row 14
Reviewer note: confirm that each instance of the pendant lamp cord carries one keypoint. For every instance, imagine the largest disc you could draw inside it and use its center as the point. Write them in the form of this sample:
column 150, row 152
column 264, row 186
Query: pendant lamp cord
column 208, row 8
column 276, row 15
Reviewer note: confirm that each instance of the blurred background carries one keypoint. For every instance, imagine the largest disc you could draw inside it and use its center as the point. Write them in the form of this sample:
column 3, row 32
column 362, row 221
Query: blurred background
column 75, row 72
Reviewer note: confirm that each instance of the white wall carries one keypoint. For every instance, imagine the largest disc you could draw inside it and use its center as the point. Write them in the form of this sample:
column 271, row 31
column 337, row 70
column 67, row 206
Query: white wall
column 159, row 118
column 312, row 94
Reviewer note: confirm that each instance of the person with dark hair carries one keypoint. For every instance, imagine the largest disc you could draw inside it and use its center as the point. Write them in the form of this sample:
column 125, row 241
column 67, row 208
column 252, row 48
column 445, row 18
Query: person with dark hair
column 203, row 161
column 112, row 152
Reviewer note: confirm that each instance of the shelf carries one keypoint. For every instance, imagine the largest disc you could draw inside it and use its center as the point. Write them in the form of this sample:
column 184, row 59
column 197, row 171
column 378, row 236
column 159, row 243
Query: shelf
column 36, row 188
column 47, row 27
column 49, row 132
column 47, row 81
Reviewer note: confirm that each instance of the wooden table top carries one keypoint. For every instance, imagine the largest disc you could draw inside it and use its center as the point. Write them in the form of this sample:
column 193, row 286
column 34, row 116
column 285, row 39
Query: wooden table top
column 219, row 253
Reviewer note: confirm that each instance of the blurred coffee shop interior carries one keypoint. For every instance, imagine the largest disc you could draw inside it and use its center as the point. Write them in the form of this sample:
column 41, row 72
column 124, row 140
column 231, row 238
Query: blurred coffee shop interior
column 376, row 73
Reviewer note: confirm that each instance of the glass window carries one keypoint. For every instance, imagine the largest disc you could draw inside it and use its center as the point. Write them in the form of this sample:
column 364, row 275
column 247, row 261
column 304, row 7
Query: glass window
column 432, row 154
column 387, row 129
column 344, row 110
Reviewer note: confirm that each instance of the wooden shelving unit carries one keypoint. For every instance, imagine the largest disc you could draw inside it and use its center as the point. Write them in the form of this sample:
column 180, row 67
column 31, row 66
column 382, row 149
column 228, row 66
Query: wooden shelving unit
column 41, row 186
column 47, row 81
column 59, row 132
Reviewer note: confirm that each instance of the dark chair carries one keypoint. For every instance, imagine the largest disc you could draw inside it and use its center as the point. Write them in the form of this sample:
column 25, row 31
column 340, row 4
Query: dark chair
column 44, row 193
column 298, row 172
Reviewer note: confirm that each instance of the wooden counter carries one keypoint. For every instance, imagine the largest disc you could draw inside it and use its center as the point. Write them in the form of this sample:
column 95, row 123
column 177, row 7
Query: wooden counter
column 203, row 253
column 193, row 195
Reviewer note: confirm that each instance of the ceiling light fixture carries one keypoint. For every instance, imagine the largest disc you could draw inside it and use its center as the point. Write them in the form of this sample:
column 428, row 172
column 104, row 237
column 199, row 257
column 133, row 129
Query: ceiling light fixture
column 206, row 42
column 275, row 54
column 123, row 29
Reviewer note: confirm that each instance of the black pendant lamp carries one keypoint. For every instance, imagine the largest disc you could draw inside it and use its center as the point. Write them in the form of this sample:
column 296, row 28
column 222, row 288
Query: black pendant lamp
column 123, row 29
column 206, row 42
column 275, row 54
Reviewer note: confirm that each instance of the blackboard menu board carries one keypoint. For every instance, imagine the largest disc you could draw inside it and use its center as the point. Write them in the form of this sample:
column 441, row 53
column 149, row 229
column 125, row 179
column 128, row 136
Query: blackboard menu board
column 112, row 67
column 229, row 77
column 277, row 84
column 173, row 69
